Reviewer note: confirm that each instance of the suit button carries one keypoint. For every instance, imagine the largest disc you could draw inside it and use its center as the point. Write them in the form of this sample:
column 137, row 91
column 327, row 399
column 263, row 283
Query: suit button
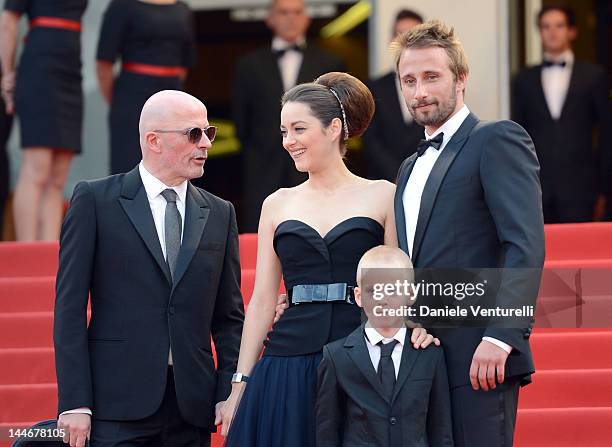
column 171, row 310
column 393, row 420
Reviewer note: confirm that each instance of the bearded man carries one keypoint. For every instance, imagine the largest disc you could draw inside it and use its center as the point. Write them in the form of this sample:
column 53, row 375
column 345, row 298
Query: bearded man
column 470, row 198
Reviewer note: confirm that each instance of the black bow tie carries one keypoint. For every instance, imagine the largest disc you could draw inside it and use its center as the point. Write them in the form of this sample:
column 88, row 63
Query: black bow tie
column 434, row 142
column 281, row 52
column 548, row 63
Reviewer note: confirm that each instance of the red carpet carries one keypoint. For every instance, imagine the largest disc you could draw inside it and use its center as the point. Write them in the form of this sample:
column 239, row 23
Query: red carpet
column 568, row 404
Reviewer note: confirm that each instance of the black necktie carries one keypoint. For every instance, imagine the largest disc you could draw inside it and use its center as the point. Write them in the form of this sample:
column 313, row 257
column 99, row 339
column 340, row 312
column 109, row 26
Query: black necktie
column 548, row 63
column 172, row 229
column 434, row 142
column 386, row 369
column 281, row 52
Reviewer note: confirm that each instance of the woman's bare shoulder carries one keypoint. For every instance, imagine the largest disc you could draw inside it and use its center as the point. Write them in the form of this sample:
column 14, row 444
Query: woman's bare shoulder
column 381, row 187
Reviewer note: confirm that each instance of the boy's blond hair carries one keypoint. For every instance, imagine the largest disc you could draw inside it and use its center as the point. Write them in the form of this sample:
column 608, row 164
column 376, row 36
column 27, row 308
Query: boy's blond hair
column 382, row 257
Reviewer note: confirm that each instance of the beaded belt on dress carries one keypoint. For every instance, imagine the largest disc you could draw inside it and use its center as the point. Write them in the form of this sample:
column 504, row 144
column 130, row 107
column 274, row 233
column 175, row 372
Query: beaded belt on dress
column 321, row 293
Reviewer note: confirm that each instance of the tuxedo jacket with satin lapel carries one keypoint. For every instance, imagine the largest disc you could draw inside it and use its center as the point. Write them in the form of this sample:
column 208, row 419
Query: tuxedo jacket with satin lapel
column 388, row 140
column 573, row 168
column 481, row 208
column 109, row 249
column 257, row 93
column 352, row 409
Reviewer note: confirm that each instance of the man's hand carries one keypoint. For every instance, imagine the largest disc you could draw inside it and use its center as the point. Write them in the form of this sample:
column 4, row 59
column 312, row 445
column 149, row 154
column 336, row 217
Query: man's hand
column 219, row 412
column 421, row 339
column 281, row 305
column 226, row 412
column 488, row 364
column 77, row 428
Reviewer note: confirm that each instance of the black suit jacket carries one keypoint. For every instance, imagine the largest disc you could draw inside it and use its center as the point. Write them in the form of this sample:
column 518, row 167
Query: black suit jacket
column 481, row 208
column 109, row 249
column 352, row 409
column 389, row 140
column 257, row 93
column 573, row 168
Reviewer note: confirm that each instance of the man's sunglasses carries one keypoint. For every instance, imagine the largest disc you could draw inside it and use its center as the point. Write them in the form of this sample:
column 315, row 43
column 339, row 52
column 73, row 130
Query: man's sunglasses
column 194, row 134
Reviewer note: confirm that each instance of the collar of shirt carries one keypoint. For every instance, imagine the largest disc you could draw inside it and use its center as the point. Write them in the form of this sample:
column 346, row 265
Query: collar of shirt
column 450, row 127
column 374, row 337
column 567, row 56
column 281, row 44
column 154, row 186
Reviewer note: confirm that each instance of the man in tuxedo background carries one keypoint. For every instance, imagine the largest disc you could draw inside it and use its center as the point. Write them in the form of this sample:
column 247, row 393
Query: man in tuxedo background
column 470, row 198
column 562, row 103
column 393, row 134
column 159, row 260
column 261, row 78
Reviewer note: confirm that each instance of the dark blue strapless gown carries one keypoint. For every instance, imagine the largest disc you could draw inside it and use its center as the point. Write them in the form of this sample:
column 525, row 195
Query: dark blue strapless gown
column 277, row 408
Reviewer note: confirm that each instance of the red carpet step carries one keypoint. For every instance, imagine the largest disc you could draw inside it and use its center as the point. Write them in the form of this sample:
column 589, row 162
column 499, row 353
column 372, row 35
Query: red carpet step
column 27, row 366
column 41, row 258
column 28, row 402
column 577, row 349
column 27, row 294
column 558, row 388
column 28, row 259
column 26, row 330
column 564, row 427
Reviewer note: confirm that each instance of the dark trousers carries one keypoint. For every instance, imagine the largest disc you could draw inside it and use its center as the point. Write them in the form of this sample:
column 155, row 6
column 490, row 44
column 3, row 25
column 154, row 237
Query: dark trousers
column 164, row 428
column 485, row 419
column 5, row 130
column 567, row 211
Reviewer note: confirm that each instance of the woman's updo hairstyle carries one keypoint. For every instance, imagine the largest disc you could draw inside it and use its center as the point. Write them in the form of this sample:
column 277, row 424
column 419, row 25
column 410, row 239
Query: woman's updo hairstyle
column 336, row 95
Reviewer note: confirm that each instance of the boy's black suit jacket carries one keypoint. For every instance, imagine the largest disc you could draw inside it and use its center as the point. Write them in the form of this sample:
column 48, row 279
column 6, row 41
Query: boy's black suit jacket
column 352, row 410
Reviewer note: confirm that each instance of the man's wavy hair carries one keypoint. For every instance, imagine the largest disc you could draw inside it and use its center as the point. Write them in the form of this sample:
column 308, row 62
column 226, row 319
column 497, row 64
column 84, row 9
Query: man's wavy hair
column 431, row 34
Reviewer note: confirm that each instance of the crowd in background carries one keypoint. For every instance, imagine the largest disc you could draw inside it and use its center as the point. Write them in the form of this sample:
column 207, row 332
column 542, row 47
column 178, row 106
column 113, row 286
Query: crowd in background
column 563, row 103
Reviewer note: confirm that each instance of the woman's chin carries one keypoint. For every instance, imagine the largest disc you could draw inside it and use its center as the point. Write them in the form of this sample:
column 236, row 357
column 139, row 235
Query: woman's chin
column 300, row 166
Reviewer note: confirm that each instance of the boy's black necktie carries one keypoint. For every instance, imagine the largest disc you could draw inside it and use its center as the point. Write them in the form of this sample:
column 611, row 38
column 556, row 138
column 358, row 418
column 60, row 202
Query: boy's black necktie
column 386, row 369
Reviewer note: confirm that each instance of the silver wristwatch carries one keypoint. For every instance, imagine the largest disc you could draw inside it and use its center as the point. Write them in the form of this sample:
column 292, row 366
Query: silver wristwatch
column 239, row 377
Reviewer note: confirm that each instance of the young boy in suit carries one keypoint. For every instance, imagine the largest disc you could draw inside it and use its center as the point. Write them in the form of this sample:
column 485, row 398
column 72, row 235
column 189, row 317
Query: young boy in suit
column 375, row 389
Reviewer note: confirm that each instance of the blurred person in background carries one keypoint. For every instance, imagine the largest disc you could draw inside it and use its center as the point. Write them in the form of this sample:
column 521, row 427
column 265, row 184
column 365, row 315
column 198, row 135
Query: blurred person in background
column 260, row 79
column 393, row 135
column 561, row 102
column 6, row 121
column 155, row 41
column 46, row 94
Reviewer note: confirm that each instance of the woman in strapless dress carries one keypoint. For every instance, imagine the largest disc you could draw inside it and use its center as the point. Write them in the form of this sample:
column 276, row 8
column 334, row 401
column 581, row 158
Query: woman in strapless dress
column 312, row 235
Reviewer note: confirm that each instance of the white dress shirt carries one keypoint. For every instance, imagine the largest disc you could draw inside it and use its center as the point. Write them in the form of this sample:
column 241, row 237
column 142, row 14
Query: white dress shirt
column 289, row 63
column 556, row 81
column 153, row 187
column 373, row 337
column 416, row 183
column 421, row 170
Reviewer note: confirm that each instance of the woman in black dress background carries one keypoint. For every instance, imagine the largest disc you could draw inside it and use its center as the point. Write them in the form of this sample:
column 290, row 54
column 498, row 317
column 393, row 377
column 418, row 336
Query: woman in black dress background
column 46, row 94
column 154, row 40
